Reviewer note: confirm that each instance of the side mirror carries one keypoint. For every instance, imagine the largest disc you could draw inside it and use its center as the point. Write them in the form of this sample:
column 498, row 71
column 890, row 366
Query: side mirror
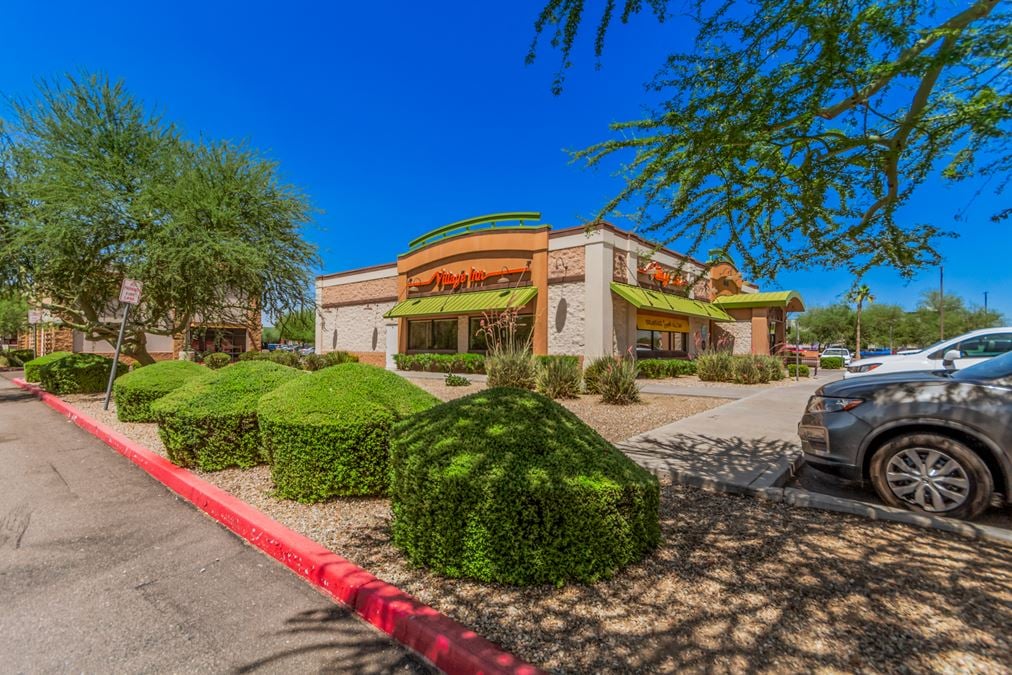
column 950, row 358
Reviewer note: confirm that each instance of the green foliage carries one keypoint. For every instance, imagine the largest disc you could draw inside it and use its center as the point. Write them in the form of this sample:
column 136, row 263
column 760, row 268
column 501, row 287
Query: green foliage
column 33, row 368
column 617, row 382
column 559, row 376
column 715, row 367
column 255, row 355
column 77, row 374
column 216, row 360
column 452, row 380
column 656, row 369
column 791, row 131
column 799, row 369
column 137, row 390
column 19, row 357
column 508, row 486
column 739, row 368
column 290, row 359
column 13, row 310
column 327, row 434
column 211, row 421
column 101, row 189
column 337, row 358
column 4, row 363
column 298, row 327
column 829, row 362
column 441, row 363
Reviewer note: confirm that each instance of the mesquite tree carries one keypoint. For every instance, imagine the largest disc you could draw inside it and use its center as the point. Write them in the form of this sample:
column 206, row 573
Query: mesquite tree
column 98, row 189
column 792, row 130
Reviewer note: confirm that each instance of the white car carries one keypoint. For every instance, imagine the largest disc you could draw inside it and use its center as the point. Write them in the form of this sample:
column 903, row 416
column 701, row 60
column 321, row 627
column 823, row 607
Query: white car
column 964, row 350
column 842, row 352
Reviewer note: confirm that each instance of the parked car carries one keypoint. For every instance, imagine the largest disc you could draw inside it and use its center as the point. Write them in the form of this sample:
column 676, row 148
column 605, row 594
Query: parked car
column 842, row 352
column 966, row 350
column 935, row 442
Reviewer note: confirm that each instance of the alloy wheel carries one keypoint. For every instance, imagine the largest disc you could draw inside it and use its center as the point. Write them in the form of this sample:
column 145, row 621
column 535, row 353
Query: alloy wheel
column 928, row 479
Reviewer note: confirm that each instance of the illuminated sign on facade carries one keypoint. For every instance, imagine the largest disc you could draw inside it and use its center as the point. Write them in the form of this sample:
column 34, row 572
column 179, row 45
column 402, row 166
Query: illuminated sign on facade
column 443, row 279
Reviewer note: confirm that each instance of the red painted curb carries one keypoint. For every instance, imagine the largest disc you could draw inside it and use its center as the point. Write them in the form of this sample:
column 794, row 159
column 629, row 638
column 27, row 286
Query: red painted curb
column 447, row 644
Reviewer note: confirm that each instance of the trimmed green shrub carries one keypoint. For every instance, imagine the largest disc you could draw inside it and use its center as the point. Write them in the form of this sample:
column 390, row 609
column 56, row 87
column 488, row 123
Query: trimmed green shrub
column 19, row 357
column 78, row 374
column 559, row 376
column 831, row 362
column 290, row 359
column 452, row 380
column 138, row 389
column 617, row 383
column 4, row 363
column 508, row 486
column 441, row 363
column 313, row 362
column 802, row 370
column 211, row 422
column 592, row 375
column 656, row 369
column 217, row 360
column 33, row 368
column 327, row 434
column 255, row 355
column 337, row 358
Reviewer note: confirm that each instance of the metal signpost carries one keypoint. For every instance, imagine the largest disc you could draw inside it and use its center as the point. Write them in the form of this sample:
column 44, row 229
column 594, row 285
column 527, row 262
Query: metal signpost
column 34, row 317
column 129, row 295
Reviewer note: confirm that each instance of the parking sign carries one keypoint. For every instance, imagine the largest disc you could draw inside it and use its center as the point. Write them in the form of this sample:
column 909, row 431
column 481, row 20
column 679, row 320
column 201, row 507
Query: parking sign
column 130, row 291
column 34, row 316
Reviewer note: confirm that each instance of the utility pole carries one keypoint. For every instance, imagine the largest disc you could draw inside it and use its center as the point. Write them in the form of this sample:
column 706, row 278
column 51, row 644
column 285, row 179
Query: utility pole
column 941, row 303
column 985, row 304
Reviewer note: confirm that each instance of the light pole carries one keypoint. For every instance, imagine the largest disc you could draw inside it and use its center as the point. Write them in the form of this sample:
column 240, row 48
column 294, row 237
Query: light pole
column 941, row 303
column 985, row 304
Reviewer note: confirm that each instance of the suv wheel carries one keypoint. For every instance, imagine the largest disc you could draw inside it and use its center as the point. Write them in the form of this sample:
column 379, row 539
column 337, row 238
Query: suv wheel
column 932, row 474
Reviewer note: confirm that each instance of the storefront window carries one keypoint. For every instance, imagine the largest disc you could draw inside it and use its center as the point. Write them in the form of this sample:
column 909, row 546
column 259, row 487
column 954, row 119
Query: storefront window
column 478, row 342
column 660, row 344
column 232, row 341
column 432, row 335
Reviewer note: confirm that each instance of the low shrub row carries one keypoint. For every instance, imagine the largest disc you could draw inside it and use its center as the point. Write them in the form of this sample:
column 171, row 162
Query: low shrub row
column 33, row 368
column 799, row 369
column 78, row 374
column 656, row 369
column 137, row 390
column 441, row 363
column 831, row 362
column 310, row 362
column 739, row 368
column 18, row 357
column 217, row 360
column 210, row 422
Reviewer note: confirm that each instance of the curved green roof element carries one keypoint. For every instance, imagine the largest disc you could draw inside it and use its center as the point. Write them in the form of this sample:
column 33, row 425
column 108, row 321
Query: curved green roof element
column 668, row 303
column 487, row 222
column 462, row 303
column 790, row 300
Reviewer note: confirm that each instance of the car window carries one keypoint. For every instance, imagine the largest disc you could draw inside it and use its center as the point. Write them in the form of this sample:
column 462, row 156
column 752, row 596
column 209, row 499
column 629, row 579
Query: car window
column 998, row 368
column 985, row 346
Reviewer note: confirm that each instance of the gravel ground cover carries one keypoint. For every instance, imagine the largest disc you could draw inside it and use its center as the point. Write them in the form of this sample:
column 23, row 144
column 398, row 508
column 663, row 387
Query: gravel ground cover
column 738, row 585
column 614, row 422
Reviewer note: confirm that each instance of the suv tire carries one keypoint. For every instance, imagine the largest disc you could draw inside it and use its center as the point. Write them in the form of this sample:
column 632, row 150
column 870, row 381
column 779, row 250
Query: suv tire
column 932, row 474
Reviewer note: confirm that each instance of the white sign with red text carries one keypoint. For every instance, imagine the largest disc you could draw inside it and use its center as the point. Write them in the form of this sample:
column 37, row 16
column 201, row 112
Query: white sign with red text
column 130, row 291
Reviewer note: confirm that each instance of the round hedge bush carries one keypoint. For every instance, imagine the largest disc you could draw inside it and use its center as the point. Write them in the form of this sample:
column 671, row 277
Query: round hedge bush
column 137, row 390
column 211, row 421
column 33, row 368
column 328, row 434
column 508, row 486
column 78, row 374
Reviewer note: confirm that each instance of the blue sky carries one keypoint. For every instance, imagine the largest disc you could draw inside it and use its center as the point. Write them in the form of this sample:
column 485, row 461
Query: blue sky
column 400, row 117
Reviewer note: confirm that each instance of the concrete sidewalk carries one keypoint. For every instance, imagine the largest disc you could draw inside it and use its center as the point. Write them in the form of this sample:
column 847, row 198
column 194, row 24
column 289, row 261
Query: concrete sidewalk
column 104, row 570
column 749, row 444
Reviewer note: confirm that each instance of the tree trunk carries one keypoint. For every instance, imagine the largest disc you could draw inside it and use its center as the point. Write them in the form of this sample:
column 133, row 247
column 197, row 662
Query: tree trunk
column 136, row 346
column 858, row 350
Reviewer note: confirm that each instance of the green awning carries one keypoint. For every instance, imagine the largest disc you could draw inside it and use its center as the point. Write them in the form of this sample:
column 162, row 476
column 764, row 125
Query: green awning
column 463, row 303
column 790, row 300
column 668, row 303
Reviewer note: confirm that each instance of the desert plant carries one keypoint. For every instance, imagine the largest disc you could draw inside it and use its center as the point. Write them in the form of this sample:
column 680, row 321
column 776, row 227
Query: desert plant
column 314, row 362
column 592, row 375
column 337, row 358
column 33, row 368
column 211, row 422
column 799, row 369
column 508, row 486
column 772, row 366
column 137, row 390
column 559, row 377
column 290, row 359
column 78, row 374
column 617, row 383
column 327, row 434
column 452, row 380
column 216, row 360
column 508, row 361
column 717, row 366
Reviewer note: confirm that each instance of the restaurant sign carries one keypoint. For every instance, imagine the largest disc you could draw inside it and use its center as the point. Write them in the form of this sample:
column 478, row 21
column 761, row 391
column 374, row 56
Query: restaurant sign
column 444, row 279
column 669, row 324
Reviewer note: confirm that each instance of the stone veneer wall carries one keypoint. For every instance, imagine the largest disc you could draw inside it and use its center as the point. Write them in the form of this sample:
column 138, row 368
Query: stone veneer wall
column 740, row 332
column 566, row 265
column 359, row 329
column 623, row 325
column 566, row 318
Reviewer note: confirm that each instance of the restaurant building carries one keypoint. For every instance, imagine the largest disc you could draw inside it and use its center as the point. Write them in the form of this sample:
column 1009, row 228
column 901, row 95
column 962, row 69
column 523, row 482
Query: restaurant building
column 582, row 291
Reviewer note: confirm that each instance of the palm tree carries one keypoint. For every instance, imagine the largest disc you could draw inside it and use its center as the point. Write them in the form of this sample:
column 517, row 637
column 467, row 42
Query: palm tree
column 860, row 295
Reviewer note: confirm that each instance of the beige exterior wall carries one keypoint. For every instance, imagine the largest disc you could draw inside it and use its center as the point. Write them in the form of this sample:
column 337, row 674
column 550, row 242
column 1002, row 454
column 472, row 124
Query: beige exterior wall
column 379, row 290
column 623, row 341
column 566, row 327
column 353, row 328
column 565, row 265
